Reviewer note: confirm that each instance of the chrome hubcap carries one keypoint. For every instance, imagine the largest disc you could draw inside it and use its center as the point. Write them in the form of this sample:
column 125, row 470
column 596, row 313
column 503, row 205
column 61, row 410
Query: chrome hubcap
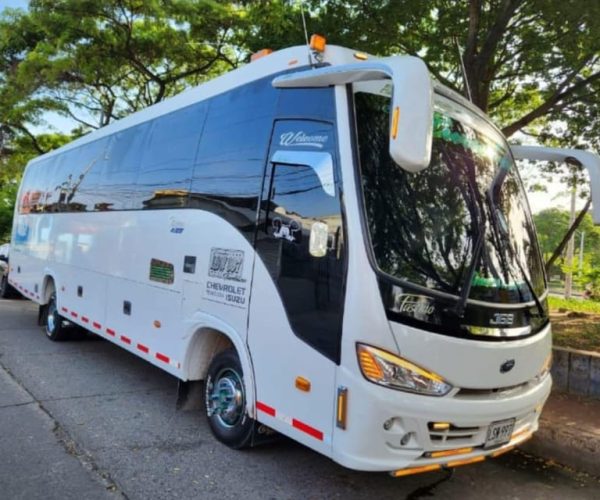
column 226, row 398
column 51, row 318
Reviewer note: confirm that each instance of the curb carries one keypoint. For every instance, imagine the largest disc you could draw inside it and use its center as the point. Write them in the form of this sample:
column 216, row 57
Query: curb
column 576, row 372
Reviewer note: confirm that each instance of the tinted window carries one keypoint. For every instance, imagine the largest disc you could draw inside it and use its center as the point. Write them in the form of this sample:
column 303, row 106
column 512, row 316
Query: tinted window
column 166, row 170
column 79, row 174
column 121, row 168
column 302, row 200
column 228, row 174
column 34, row 189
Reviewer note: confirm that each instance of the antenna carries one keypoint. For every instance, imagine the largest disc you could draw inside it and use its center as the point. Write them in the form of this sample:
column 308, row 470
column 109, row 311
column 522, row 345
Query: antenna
column 463, row 69
column 305, row 31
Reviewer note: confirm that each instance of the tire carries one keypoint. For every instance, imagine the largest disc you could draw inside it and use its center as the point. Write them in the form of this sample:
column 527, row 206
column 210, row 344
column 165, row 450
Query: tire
column 6, row 290
column 225, row 401
column 54, row 324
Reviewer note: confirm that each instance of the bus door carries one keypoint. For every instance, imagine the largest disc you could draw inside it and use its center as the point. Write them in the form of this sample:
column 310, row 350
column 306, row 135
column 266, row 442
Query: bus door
column 297, row 298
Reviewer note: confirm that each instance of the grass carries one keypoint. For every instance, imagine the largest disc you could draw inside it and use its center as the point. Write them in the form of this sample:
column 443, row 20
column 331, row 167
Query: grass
column 576, row 305
column 575, row 323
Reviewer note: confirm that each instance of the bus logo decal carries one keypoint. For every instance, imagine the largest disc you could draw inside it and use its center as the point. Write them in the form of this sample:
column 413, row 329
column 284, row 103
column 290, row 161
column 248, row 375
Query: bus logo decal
column 301, row 139
column 226, row 264
column 414, row 305
column 507, row 366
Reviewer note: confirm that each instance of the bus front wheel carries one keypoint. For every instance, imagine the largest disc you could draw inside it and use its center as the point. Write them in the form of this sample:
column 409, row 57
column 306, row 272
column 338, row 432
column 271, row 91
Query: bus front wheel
column 225, row 401
column 55, row 323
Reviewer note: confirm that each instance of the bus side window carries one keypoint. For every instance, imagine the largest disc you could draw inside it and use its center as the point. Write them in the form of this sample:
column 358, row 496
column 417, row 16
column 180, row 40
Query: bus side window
column 122, row 166
column 79, row 176
column 166, row 170
column 300, row 235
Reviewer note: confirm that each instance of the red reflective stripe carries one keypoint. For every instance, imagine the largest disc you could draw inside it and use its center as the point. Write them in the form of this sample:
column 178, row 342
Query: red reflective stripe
column 85, row 319
column 162, row 357
column 265, row 408
column 311, row 431
column 110, row 331
column 64, row 309
column 127, row 340
column 96, row 325
column 74, row 314
column 143, row 348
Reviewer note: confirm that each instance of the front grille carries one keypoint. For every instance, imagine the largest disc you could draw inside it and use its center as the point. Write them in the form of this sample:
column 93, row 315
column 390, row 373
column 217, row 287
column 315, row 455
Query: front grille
column 454, row 434
column 457, row 436
column 500, row 392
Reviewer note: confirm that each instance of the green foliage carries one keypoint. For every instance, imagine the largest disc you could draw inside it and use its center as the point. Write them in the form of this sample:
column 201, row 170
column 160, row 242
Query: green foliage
column 575, row 305
column 551, row 225
column 532, row 64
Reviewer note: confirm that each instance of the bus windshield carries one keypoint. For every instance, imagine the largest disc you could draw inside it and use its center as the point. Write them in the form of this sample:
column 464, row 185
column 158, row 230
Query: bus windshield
column 461, row 226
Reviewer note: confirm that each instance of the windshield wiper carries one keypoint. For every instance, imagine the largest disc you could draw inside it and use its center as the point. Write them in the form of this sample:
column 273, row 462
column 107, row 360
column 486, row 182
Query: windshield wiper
column 466, row 288
column 501, row 229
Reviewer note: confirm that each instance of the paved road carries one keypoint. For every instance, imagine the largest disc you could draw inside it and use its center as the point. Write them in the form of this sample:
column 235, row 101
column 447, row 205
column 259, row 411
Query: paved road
column 85, row 419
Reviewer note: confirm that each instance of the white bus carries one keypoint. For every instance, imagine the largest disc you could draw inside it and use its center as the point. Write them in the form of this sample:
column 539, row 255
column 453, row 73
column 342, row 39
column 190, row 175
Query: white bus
column 339, row 247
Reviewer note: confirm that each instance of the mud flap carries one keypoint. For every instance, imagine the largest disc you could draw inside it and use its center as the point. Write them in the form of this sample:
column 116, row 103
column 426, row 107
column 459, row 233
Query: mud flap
column 41, row 320
column 190, row 395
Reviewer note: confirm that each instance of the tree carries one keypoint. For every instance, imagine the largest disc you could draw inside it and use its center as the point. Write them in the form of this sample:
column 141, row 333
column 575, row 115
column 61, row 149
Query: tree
column 99, row 61
column 533, row 65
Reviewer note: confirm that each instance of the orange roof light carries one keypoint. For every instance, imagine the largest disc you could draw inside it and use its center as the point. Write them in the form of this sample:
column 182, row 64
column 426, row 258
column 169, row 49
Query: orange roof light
column 260, row 53
column 317, row 43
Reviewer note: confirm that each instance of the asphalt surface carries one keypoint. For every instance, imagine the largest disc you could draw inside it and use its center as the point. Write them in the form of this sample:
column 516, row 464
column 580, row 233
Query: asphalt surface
column 85, row 419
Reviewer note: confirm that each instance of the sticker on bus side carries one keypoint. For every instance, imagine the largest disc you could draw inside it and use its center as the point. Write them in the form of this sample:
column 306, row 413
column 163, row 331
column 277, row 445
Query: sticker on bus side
column 162, row 272
column 226, row 265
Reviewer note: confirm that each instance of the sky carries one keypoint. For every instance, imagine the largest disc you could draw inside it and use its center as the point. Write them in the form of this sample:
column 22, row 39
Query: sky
column 13, row 4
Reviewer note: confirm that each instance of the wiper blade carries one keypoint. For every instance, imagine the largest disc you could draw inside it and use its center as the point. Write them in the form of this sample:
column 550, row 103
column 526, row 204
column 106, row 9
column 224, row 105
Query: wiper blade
column 468, row 283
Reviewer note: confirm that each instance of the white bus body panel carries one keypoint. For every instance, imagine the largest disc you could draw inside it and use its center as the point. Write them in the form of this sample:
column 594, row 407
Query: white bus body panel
column 101, row 253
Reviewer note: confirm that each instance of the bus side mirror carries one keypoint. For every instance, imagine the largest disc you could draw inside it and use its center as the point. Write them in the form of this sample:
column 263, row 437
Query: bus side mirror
column 411, row 113
column 590, row 161
column 411, row 123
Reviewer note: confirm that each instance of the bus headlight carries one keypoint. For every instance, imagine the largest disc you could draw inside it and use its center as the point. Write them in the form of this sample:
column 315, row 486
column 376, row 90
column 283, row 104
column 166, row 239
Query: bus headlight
column 384, row 368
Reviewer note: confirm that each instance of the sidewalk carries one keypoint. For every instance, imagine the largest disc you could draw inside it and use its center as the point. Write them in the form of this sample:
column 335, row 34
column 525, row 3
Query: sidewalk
column 569, row 432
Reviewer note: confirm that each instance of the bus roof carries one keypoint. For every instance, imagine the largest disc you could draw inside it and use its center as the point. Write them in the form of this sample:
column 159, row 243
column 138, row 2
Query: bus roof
column 276, row 62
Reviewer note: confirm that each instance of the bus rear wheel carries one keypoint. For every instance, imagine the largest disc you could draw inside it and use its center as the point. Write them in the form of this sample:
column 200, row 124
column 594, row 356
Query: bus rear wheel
column 6, row 290
column 225, row 401
column 55, row 324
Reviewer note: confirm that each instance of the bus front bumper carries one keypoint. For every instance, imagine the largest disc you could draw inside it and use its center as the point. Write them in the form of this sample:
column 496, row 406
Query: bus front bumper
column 394, row 431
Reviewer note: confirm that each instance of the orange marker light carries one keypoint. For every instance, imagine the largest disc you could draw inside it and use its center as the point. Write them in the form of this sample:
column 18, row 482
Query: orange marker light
column 395, row 119
column 317, row 43
column 157, row 324
column 260, row 53
column 369, row 366
column 361, row 56
column 302, row 384
column 449, row 453
column 415, row 470
column 342, row 407
column 458, row 463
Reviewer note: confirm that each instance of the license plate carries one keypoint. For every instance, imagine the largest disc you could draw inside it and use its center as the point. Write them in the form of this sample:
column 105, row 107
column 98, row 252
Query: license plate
column 499, row 433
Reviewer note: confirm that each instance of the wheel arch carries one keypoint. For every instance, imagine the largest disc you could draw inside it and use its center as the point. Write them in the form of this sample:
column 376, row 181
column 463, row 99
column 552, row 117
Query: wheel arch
column 208, row 337
column 48, row 286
